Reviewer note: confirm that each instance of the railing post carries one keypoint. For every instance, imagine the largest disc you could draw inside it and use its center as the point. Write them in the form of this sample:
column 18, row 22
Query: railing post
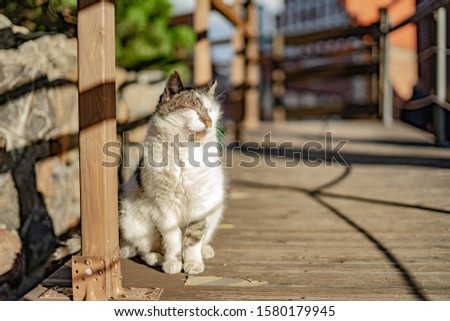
column 97, row 121
column 386, row 92
column 278, row 78
column 252, row 109
column 96, row 274
column 202, row 51
column 237, row 78
column 440, row 16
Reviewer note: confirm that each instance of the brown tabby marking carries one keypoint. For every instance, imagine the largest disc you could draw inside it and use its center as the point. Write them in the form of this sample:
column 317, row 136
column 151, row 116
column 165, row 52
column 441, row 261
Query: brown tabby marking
column 194, row 232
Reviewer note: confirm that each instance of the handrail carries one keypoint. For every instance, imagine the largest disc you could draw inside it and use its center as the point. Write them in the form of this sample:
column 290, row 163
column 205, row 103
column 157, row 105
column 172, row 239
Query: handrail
column 422, row 10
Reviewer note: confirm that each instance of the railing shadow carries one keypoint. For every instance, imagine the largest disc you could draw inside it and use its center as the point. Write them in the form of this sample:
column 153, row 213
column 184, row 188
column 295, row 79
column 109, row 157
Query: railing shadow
column 318, row 193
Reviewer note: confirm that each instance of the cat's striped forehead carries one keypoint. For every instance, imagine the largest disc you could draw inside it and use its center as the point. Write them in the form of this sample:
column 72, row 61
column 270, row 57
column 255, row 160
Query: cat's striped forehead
column 187, row 98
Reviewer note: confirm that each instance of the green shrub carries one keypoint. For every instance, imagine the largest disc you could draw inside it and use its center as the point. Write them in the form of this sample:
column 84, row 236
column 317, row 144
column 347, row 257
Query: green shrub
column 144, row 37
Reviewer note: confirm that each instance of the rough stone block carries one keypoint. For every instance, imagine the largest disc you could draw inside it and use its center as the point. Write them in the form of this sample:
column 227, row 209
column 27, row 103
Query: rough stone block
column 57, row 181
column 10, row 247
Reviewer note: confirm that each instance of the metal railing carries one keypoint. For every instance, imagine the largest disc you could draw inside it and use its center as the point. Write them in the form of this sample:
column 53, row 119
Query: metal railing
column 440, row 50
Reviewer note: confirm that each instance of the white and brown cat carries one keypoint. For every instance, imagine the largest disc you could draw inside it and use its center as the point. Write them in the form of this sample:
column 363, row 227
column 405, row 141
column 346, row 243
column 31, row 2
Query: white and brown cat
column 171, row 206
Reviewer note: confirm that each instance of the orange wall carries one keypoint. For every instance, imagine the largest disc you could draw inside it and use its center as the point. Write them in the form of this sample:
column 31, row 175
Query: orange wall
column 366, row 12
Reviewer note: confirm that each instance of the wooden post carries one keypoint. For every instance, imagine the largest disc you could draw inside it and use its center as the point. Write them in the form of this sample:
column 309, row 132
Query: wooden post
column 96, row 274
column 278, row 78
column 441, row 75
column 202, row 52
column 252, row 108
column 386, row 92
column 237, row 77
column 97, row 120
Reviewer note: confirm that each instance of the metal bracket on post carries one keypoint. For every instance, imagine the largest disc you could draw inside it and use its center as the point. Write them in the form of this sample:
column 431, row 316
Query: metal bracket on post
column 89, row 278
column 90, row 275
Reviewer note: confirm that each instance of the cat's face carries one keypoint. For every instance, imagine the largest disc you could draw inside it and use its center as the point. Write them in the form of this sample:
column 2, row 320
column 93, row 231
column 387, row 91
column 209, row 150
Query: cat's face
column 190, row 110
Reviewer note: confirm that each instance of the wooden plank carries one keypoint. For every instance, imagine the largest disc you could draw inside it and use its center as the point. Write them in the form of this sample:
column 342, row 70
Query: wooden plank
column 97, row 121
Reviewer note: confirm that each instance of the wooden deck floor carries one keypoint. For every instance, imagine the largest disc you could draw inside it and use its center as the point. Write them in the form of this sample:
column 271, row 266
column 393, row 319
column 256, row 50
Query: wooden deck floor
column 378, row 229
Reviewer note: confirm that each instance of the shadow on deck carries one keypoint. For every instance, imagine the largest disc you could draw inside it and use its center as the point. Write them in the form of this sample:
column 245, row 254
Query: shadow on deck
column 298, row 229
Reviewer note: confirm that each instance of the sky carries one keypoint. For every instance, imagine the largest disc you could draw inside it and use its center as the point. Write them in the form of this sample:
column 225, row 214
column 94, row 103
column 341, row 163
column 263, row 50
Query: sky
column 185, row 6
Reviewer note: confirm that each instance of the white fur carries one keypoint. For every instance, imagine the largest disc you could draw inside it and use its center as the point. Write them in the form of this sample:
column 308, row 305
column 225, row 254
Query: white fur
column 174, row 195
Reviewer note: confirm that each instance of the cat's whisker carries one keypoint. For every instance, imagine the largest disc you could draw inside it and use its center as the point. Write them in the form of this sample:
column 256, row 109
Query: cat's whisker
column 222, row 96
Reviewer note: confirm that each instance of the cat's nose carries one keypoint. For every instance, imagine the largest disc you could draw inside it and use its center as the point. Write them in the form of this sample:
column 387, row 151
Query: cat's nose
column 207, row 121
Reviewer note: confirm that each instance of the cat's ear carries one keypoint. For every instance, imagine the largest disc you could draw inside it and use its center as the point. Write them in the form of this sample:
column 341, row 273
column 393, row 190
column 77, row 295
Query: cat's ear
column 173, row 86
column 211, row 87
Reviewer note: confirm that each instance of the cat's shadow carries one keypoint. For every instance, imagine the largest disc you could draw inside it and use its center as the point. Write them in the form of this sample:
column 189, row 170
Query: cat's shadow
column 138, row 260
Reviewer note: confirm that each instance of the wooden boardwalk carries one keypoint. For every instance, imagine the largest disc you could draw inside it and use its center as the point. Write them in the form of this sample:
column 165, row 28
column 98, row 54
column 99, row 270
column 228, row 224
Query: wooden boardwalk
column 378, row 229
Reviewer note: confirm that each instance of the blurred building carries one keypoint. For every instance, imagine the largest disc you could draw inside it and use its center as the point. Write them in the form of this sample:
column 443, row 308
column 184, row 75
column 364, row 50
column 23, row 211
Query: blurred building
column 305, row 16
column 309, row 17
column 318, row 82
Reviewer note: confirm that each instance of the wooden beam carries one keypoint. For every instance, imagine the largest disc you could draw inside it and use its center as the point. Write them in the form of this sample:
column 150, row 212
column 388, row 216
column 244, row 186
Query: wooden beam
column 228, row 13
column 202, row 50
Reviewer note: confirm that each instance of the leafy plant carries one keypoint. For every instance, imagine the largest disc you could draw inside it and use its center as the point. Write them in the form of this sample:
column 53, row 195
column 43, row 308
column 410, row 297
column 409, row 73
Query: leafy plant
column 145, row 38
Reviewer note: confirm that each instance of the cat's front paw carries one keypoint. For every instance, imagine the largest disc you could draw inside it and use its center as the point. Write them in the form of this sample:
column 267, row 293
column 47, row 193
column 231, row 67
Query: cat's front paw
column 193, row 267
column 127, row 252
column 207, row 251
column 172, row 266
column 152, row 258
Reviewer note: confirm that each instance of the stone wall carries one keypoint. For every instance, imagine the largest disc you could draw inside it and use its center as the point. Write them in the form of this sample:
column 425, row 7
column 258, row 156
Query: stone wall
column 39, row 185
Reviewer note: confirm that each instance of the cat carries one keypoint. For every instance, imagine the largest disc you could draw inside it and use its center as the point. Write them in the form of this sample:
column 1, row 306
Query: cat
column 170, row 208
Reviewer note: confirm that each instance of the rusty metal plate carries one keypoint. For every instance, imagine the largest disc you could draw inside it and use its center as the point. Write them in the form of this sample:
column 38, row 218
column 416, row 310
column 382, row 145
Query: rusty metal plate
column 138, row 294
column 56, row 294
